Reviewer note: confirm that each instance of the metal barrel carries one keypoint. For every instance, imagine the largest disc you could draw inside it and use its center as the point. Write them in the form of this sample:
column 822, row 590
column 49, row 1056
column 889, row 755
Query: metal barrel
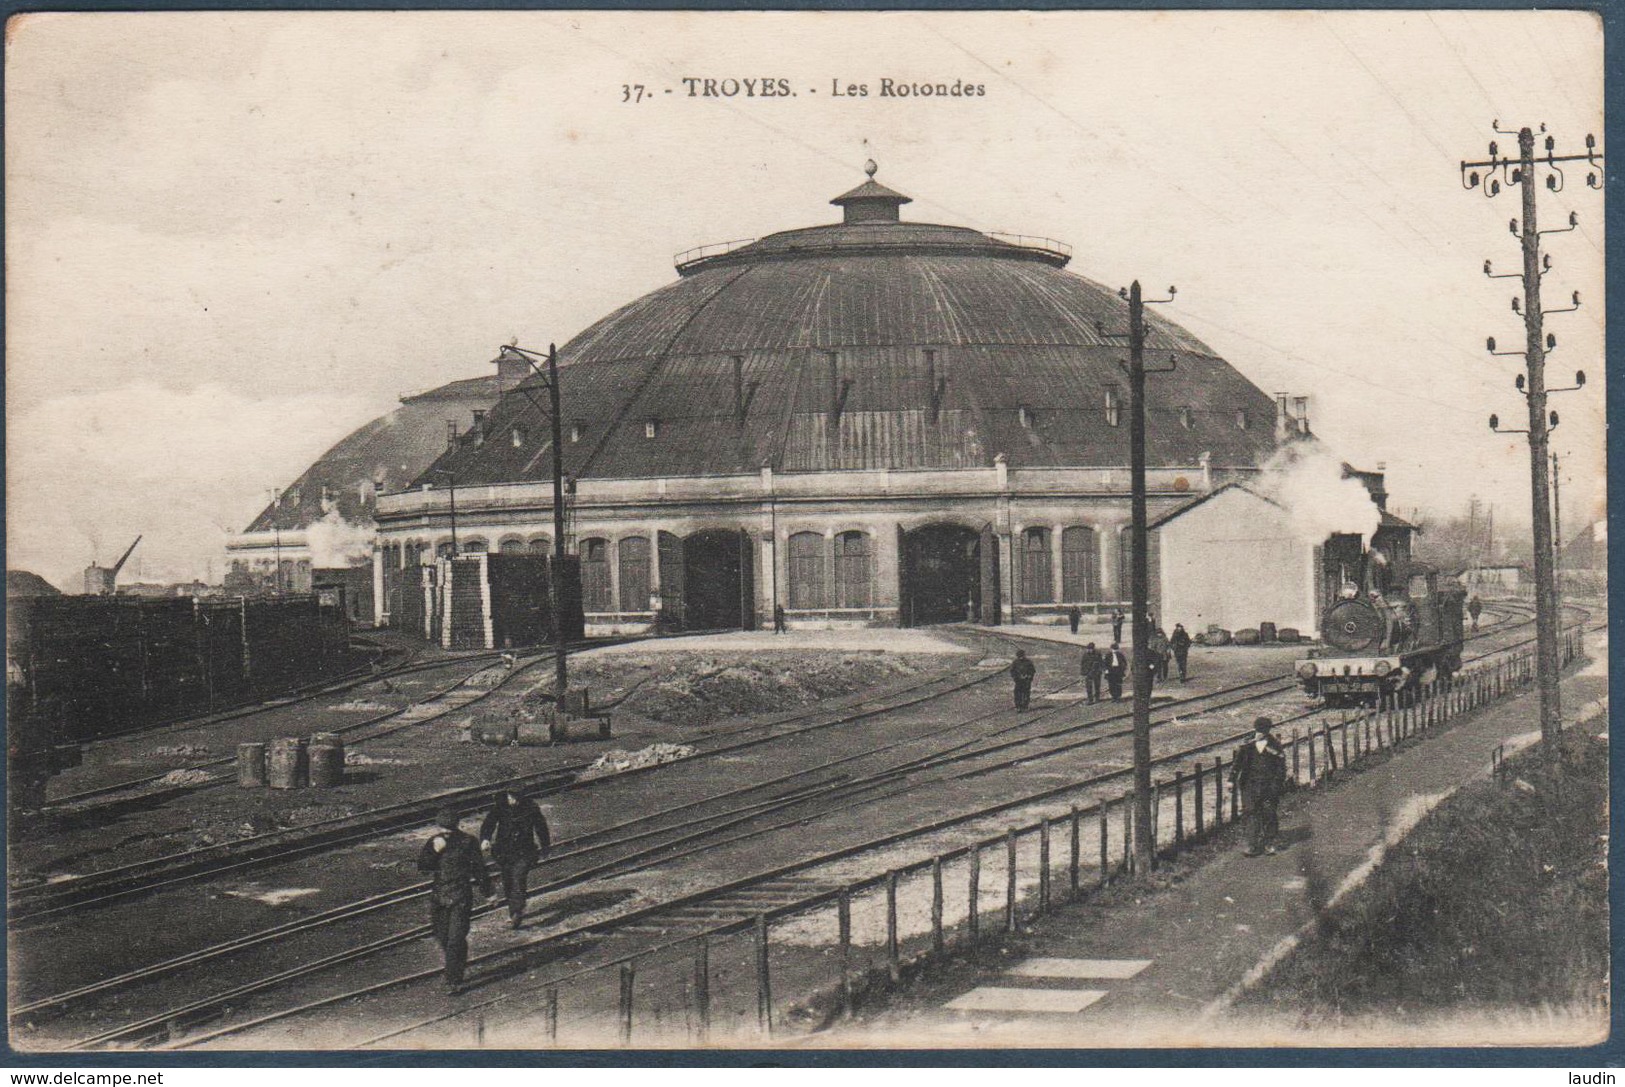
column 288, row 766
column 250, row 765
column 1266, row 632
column 326, row 762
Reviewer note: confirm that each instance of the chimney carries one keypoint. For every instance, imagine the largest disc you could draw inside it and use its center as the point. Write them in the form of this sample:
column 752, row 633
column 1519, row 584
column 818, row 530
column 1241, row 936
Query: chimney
column 1281, row 428
column 1301, row 407
column 512, row 368
column 1206, row 461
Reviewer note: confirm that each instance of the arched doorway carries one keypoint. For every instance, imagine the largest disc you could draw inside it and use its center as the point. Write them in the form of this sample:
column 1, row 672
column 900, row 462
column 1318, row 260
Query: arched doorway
column 948, row 574
column 719, row 584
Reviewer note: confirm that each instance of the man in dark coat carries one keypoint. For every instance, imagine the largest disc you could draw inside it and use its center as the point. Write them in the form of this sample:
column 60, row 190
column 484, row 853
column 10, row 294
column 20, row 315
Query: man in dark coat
column 778, row 619
column 515, row 834
column 1158, row 646
column 1179, row 644
column 1117, row 626
column 1093, row 666
column 1074, row 616
column 1116, row 669
column 1474, row 607
column 1023, row 671
column 453, row 858
column 1259, row 774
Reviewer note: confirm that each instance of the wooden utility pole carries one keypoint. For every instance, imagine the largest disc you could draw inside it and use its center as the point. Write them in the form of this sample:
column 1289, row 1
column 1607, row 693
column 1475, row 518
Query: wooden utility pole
column 1532, row 383
column 561, row 675
column 1139, row 578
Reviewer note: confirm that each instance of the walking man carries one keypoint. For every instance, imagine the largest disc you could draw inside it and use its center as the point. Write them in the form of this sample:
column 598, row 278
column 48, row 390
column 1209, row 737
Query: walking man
column 1180, row 645
column 1158, row 647
column 453, row 858
column 515, row 834
column 1092, row 667
column 1074, row 616
column 1117, row 626
column 1023, row 671
column 1474, row 607
column 1116, row 669
column 1259, row 774
column 778, row 619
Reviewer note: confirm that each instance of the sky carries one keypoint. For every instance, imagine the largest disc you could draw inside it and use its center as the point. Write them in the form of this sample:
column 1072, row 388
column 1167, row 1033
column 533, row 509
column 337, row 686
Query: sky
column 233, row 237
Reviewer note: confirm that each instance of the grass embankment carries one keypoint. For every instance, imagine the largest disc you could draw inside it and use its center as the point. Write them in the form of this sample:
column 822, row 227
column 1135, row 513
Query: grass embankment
column 1497, row 901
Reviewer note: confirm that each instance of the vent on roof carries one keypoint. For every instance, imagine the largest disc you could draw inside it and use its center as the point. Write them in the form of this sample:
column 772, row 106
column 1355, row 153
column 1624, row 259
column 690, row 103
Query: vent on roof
column 1025, row 417
column 650, row 427
column 518, row 437
column 1112, row 408
column 575, row 432
column 1241, row 419
column 1186, row 418
column 936, row 387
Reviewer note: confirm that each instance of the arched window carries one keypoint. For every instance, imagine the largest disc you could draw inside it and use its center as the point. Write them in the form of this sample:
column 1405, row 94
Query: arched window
column 1036, row 583
column 541, row 545
column 853, row 578
column 443, row 549
column 1125, row 559
column 1080, row 580
column 807, row 570
column 595, row 594
column 634, row 558
column 473, row 545
column 513, row 545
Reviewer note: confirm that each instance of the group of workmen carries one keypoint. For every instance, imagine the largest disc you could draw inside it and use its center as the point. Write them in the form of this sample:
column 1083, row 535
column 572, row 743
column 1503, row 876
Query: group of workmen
column 515, row 836
column 1163, row 653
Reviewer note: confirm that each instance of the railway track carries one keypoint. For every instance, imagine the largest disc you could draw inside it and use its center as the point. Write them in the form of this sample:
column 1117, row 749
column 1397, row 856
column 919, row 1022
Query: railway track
column 664, row 844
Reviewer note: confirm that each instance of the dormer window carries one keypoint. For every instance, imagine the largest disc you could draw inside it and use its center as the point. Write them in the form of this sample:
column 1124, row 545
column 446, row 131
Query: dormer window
column 1113, row 408
column 575, row 432
column 650, row 426
column 1186, row 418
column 1241, row 420
column 1025, row 417
column 518, row 437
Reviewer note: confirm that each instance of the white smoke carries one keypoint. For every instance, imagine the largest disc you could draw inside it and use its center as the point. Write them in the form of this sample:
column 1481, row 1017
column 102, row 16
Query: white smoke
column 336, row 543
column 1309, row 482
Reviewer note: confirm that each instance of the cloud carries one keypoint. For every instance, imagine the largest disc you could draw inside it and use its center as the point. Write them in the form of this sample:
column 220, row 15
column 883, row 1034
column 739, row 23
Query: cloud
column 86, row 473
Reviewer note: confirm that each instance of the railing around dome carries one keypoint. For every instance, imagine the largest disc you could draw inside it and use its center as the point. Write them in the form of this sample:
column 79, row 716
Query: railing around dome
column 1030, row 241
column 701, row 252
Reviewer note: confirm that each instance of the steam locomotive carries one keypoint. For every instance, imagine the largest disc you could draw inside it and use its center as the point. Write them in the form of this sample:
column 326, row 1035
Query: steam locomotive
column 1391, row 635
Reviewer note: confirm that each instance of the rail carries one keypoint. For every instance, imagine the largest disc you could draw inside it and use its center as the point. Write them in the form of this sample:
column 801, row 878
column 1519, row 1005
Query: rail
column 665, row 994
column 1033, row 242
column 714, row 249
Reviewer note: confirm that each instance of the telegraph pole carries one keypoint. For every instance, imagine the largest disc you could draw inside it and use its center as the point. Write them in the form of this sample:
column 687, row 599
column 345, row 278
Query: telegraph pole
column 1139, row 574
column 1557, row 544
column 550, row 378
column 1532, row 383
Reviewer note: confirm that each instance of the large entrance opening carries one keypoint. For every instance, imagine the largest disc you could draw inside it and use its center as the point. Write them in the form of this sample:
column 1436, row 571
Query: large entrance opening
column 719, row 584
column 947, row 576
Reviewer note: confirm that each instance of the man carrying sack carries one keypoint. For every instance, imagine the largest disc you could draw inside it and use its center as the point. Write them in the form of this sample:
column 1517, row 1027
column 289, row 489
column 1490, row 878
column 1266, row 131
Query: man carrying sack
column 453, row 858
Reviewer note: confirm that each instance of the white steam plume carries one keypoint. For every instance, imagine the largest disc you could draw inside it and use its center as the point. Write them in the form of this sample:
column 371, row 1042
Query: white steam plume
column 335, row 542
column 1309, row 482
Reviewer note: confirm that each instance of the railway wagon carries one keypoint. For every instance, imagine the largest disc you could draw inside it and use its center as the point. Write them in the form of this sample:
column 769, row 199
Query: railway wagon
column 1380, row 641
column 81, row 668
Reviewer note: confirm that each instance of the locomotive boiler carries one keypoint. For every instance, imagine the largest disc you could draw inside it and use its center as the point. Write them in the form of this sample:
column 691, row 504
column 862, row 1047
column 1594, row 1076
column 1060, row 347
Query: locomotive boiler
column 1387, row 636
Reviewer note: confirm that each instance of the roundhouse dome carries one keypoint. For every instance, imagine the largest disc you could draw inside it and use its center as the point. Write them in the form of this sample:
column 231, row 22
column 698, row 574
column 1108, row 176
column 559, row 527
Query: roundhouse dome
column 870, row 344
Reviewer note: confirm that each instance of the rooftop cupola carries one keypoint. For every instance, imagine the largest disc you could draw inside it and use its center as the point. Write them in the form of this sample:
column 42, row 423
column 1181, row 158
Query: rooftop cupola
column 871, row 202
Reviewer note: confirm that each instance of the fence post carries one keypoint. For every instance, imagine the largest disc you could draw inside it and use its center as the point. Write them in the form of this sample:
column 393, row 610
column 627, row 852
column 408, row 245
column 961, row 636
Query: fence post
column 1179, row 807
column 702, row 990
column 936, row 904
column 764, row 987
column 1345, row 738
column 1196, row 795
column 892, row 958
column 1103, row 817
column 1076, row 850
column 479, row 1031
column 550, row 1013
column 843, row 914
column 1296, row 778
column 1218, row 791
column 974, row 891
column 627, row 978
column 1009, row 881
column 1043, row 866
column 1311, row 738
column 1128, row 832
column 1156, row 819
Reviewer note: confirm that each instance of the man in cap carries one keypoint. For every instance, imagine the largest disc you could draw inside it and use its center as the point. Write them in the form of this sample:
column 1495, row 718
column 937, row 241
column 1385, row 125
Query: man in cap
column 1259, row 773
column 1093, row 666
column 1179, row 644
column 1116, row 669
column 453, row 858
column 515, row 834
column 1022, row 670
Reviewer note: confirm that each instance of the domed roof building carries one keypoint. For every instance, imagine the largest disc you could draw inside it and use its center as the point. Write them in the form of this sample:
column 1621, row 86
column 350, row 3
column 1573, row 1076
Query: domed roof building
column 875, row 420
